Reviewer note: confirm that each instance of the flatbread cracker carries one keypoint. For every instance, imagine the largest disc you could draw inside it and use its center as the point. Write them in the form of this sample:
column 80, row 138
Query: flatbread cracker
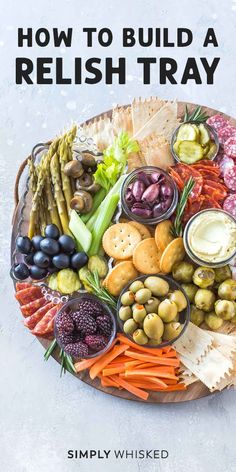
column 101, row 131
column 120, row 240
column 143, row 109
column 163, row 235
column 173, row 253
column 156, row 151
column 146, row 257
column 164, row 122
column 120, row 276
column 144, row 231
column 122, row 120
column 194, row 343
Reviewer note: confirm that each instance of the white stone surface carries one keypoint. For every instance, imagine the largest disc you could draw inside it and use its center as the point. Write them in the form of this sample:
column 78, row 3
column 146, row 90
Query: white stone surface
column 42, row 416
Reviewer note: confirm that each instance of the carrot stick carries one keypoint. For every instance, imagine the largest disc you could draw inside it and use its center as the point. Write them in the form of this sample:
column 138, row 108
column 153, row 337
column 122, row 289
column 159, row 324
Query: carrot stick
column 156, row 381
column 152, row 359
column 170, row 354
column 123, row 339
column 105, row 360
column 148, row 373
column 85, row 364
column 131, row 364
column 107, row 382
column 130, row 388
column 113, row 370
column 160, row 368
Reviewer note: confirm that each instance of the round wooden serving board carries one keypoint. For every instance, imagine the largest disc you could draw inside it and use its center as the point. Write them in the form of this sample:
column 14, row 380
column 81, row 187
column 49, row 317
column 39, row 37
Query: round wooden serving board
column 194, row 391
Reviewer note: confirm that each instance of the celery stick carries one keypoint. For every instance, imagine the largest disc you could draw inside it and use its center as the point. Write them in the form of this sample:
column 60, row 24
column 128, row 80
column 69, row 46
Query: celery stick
column 97, row 200
column 81, row 233
column 115, row 190
column 103, row 220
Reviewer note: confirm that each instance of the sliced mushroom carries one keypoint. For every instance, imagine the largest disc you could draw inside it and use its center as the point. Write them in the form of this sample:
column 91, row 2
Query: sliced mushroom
column 86, row 182
column 74, row 169
column 82, row 202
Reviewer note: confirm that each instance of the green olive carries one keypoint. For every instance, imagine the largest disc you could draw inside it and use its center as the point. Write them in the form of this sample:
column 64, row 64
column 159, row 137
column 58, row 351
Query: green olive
column 158, row 286
column 196, row 315
column 167, row 310
column 140, row 337
column 233, row 320
column 183, row 272
column 180, row 300
column 154, row 342
column 142, row 295
column 176, row 318
column 139, row 313
column 222, row 273
column 136, row 285
column 171, row 331
column 152, row 305
column 225, row 309
column 125, row 313
column 204, row 299
column 153, row 326
column 213, row 321
column 204, row 277
column 130, row 326
column 190, row 290
column 127, row 298
column 227, row 290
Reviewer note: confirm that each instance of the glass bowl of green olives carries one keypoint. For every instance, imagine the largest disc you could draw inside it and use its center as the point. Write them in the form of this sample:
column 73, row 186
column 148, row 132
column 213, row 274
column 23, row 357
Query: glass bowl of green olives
column 153, row 310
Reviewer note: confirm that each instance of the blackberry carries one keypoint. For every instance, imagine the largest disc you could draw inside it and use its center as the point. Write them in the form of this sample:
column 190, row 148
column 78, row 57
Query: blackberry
column 97, row 342
column 64, row 323
column 76, row 350
column 104, row 325
column 85, row 323
column 65, row 339
column 88, row 307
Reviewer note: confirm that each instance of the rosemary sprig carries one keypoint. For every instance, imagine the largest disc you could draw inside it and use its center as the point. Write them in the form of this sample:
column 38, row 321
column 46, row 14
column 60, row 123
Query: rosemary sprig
column 178, row 228
column 66, row 360
column 197, row 115
column 101, row 292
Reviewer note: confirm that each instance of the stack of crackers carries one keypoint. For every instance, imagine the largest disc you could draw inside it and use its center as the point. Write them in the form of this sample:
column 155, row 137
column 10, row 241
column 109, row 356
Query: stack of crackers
column 150, row 121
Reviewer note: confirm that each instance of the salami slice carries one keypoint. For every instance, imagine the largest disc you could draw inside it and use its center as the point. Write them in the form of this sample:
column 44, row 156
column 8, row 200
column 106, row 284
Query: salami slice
column 32, row 320
column 225, row 133
column 230, row 178
column 185, row 172
column 46, row 324
column 225, row 163
column 230, row 147
column 217, row 122
column 216, row 194
column 230, row 205
column 27, row 295
column 32, row 307
column 22, row 286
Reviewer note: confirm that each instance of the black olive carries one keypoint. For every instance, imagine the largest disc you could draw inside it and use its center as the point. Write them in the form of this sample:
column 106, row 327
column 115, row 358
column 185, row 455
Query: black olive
column 29, row 258
column 21, row 271
column 78, row 260
column 51, row 269
column 36, row 240
column 61, row 261
column 67, row 243
column 52, row 231
column 23, row 244
column 41, row 260
column 38, row 273
column 49, row 246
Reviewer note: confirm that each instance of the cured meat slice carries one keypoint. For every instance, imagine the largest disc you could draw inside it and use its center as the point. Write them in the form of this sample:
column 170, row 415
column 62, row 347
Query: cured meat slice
column 230, row 147
column 225, row 163
column 217, row 122
column 185, row 172
column 209, row 202
column 216, row 194
column 230, row 178
column 32, row 307
column 27, row 295
column 46, row 324
column 230, row 205
column 32, row 320
column 226, row 133
column 22, row 286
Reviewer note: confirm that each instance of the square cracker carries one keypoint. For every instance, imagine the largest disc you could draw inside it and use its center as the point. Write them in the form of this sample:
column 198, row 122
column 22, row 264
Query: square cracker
column 101, row 131
column 143, row 110
column 156, row 151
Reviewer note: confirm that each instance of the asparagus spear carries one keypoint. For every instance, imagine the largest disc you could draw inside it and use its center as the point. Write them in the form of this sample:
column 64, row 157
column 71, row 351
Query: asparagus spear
column 33, row 180
column 58, row 193
column 65, row 153
column 52, row 206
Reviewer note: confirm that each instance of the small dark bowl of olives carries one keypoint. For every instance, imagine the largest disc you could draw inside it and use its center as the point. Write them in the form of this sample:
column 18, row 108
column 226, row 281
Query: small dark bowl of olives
column 149, row 195
column 153, row 310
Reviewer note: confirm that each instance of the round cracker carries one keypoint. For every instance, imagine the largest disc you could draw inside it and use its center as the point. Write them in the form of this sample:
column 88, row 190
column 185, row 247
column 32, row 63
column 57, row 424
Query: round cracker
column 146, row 257
column 120, row 240
column 144, row 231
column 163, row 235
column 173, row 253
column 118, row 261
column 120, row 276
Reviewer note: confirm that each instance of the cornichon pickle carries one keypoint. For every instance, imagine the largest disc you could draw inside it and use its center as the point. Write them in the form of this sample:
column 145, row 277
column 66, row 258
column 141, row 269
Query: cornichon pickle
column 68, row 281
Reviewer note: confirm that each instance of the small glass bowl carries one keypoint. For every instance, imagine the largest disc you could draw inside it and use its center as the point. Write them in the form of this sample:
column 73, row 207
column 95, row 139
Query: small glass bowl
column 131, row 178
column 213, row 135
column 196, row 259
column 72, row 304
column 184, row 315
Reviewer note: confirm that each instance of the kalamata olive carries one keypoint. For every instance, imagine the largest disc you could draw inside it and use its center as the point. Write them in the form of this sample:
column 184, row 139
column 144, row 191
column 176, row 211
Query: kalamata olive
column 155, row 177
column 151, row 193
column 166, row 190
column 146, row 179
column 129, row 197
column 130, row 187
column 157, row 210
column 144, row 212
column 166, row 204
column 141, row 205
column 138, row 189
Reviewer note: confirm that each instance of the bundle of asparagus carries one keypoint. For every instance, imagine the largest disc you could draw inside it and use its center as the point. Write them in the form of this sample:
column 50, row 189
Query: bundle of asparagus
column 51, row 188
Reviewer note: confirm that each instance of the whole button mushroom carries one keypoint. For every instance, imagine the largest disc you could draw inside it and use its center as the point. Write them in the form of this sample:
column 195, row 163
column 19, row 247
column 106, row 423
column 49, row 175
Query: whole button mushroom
column 74, row 169
column 82, row 202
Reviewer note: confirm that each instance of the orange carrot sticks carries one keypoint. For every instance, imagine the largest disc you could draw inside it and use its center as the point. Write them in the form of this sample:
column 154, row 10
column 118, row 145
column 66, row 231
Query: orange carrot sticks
column 154, row 351
column 127, row 386
column 155, row 360
column 106, row 359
